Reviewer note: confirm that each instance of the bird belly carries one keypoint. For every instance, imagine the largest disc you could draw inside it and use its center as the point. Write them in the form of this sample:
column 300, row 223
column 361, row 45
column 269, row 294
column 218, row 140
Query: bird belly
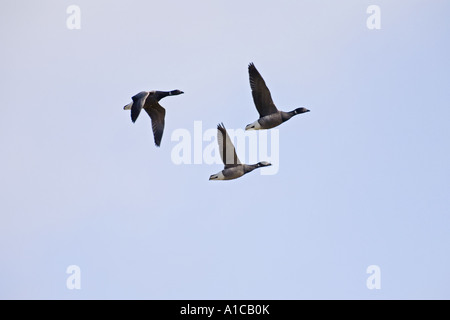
column 270, row 121
column 233, row 173
column 228, row 174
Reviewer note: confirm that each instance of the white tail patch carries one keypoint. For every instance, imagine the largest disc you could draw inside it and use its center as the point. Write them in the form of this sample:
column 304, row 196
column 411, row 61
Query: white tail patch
column 254, row 126
column 217, row 176
column 128, row 106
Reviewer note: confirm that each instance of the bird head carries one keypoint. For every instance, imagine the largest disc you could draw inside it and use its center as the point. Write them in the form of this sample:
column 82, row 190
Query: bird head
column 263, row 164
column 177, row 92
column 300, row 110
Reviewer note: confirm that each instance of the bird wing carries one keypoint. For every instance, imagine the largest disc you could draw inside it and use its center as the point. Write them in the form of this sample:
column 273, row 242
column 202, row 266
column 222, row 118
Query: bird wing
column 226, row 148
column 138, row 103
column 157, row 114
column 261, row 94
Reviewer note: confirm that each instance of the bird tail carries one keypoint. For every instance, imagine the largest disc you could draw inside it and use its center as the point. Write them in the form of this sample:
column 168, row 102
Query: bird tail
column 128, row 106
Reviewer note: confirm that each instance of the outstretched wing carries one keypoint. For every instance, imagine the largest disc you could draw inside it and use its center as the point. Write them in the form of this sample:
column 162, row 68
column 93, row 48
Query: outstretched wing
column 138, row 103
column 261, row 94
column 226, row 148
column 157, row 114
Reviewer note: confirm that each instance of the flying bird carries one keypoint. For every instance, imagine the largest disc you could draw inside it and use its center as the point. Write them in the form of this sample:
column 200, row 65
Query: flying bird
column 233, row 166
column 149, row 100
column 269, row 115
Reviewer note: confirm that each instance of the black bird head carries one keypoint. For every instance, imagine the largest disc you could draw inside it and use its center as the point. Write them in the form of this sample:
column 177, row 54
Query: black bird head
column 263, row 164
column 300, row 110
column 176, row 92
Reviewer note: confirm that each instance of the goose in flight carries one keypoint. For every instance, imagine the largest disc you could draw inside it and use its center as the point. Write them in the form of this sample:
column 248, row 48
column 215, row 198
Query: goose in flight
column 269, row 115
column 149, row 100
column 233, row 166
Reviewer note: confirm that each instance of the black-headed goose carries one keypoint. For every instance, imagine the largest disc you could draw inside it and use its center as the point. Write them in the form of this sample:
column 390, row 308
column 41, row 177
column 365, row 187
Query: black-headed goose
column 149, row 100
column 269, row 115
column 233, row 166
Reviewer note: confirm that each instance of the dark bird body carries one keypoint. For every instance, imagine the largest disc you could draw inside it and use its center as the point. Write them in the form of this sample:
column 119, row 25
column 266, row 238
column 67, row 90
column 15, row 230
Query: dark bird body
column 269, row 115
column 149, row 101
column 233, row 167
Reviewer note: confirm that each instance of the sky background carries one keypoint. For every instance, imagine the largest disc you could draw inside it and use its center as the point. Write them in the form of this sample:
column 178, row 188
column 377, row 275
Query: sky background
column 364, row 178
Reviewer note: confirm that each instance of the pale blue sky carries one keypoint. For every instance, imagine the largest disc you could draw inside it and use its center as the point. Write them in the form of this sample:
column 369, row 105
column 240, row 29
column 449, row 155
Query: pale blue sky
column 364, row 177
